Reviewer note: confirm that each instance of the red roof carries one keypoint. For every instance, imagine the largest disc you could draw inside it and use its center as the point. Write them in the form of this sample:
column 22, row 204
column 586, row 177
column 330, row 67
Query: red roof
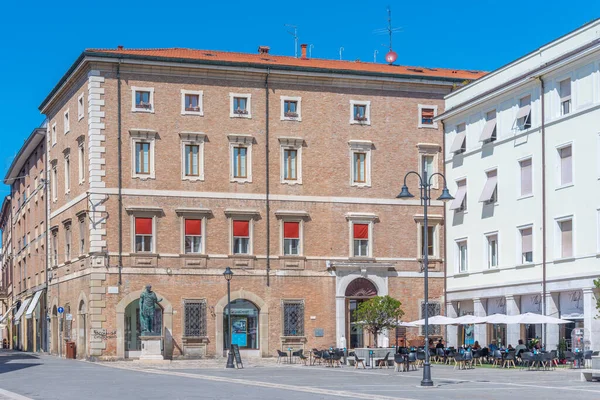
column 269, row 59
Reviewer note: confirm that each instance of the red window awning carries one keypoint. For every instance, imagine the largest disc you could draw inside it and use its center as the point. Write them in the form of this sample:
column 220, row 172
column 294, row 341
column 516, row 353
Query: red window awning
column 291, row 230
column 241, row 228
column 361, row 231
column 193, row 227
column 143, row 226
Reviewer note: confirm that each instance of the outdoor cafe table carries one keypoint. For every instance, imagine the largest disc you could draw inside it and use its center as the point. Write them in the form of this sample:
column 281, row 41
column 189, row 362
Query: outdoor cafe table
column 378, row 353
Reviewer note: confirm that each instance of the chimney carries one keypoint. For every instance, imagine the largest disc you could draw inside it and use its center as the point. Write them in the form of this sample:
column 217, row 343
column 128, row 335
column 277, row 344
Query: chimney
column 263, row 49
column 303, row 47
column 120, row 47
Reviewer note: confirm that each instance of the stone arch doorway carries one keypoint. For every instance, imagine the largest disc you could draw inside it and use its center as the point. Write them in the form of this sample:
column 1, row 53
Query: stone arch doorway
column 357, row 292
column 128, row 325
column 82, row 327
column 249, row 306
column 54, row 330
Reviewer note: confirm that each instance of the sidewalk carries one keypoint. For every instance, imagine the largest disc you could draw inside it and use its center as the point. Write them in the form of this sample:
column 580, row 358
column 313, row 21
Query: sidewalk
column 204, row 363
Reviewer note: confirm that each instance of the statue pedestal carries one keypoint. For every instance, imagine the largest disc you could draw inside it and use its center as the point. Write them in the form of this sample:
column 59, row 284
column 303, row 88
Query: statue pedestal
column 151, row 348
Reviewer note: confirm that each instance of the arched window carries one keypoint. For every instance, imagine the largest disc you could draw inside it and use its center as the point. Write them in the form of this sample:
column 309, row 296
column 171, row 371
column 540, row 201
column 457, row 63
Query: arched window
column 361, row 287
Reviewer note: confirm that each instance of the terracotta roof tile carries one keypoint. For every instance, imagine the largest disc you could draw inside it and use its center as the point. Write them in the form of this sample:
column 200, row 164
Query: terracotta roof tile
column 270, row 59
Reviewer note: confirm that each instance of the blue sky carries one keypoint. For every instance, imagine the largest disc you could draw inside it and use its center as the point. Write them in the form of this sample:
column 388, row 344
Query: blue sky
column 39, row 40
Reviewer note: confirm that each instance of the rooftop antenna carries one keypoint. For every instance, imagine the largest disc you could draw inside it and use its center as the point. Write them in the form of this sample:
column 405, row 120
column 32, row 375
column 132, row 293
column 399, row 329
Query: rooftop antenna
column 391, row 55
column 295, row 35
column 310, row 50
column 341, row 50
column 375, row 56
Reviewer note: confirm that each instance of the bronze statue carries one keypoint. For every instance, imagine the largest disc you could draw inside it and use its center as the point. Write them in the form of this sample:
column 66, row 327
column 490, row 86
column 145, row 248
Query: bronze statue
column 148, row 301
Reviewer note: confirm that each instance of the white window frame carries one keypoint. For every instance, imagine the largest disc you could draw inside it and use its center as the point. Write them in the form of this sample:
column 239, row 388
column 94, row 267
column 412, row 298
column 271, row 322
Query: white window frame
column 300, row 236
column 68, row 228
column 241, row 217
column 521, row 124
column 54, row 183
column 298, row 101
column 202, row 219
column 53, row 133
column 193, row 139
column 494, row 198
column 248, row 98
column 520, row 258
column 139, row 136
column 519, row 161
column 420, row 120
column 81, row 162
column 361, row 146
column 66, row 121
column 67, row 173
column 569, row 99
column 457, row 257
column 135, row 89
column 367, row 104
column 558, row 237
column 360, row 219
column 290, row 143
column 81, row 224
column 240, row 141
column 435, row 222
column 559, row 184
column 463, row 208
column 135, row 215
column 200, row 95
column 80, row 107
column 487, row 247
column 429, row 149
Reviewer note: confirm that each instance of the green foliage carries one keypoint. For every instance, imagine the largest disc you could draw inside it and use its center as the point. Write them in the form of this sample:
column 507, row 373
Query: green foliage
column 378, row 313
column 561, row 347
column 597, row 284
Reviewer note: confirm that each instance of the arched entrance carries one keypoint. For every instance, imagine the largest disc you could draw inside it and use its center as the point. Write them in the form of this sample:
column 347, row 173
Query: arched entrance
column 82, row 329
column 133, row 344
column 244, row 325
column 357, row 292
column 54, row 332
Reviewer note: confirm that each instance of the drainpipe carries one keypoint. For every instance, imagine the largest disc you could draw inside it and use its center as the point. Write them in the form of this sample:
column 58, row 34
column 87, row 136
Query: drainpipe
column 47, row 258
column 543, row 131
column 268, row 208
column 120, row 168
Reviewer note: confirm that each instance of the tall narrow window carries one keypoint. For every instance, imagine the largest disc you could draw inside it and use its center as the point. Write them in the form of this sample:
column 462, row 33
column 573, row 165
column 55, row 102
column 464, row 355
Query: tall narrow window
column 67, row 242
column 82, row 234
column 291, row 238
column 143, row 235
column 67, row 122
column 241, row 237
column 240, row 162
column 427, row 165
column 526, row 177
column 490, row 189
column 492, row 251
column 193, row 236
column 291, row 164
column 566, row 238
column 293, row 318
column 359, row 167
column 460, row 200
column 430, row 240
column 80, row 107
column 459, row 144
column 524, row 113
column 526, row 245
column 53, row 133
column 566, row 165
column 54, row 183
column 67, row 175
column 54, row 245
column 361, row 240
column 81, row 164
column 462, row 256
column 142, row 158
column 489, row 129
column 565, row 96
column 191, row 159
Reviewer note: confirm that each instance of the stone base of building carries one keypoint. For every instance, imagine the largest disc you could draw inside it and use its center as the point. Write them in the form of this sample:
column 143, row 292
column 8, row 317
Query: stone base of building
column 151, row 349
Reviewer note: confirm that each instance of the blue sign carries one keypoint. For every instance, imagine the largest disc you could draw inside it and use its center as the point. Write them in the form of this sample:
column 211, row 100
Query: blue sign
column 60, row 310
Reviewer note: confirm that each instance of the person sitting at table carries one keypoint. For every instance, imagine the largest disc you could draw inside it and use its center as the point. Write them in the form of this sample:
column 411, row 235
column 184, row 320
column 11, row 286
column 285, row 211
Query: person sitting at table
column 493, row 346
column 431, row 343
column 439, row 344
column 509, row 348
column 520, row 348
column 476, row 345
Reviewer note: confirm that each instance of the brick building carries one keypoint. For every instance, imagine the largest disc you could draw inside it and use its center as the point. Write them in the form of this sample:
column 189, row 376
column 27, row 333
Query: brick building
column 168, row 165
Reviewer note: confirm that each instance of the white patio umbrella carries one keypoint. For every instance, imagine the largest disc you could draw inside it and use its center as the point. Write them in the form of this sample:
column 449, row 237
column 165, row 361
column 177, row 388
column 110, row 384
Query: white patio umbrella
column 497, row 319
column 406, row 324
column 470, row 320
column 531, row 318
column 436, row 320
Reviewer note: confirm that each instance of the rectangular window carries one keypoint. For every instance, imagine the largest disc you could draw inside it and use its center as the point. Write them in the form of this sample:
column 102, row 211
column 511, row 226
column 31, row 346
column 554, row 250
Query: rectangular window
column 526, row 245
column 566, row 165
column 54, row 184
column 193, row 236
column 430, row 240
column 290, row 158
column 67, row 242
column 427, row 165
column 565, row 96
column 291, row 238
column 462, row 256
column 359, row 173
column 191, row 159
column 143, row 235
column 80, row 107
column 241, row 237
column 566, row 238
column 240, row 162
column 82, row 234
column 433, row 309
column 293, row 318
column 360, row 112
column 53, row 132
column 142, row 158
column 526, row 177
column 194, row 317
column 489, row 129
column 143, row 100
column 524, row 114
column 460, row 199
column 67, row 123
column 489, row 194
column 81, row 164
column 361, row 240
column 492, row 251
column 240, row 105
column 290, row 108
column 459, row 145
column 192, row 102
column 67, row 175
column 427, row 115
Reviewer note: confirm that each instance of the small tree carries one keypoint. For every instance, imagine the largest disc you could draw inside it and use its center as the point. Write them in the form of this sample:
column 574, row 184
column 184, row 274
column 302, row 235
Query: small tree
column 597, row 284
column 378, row 314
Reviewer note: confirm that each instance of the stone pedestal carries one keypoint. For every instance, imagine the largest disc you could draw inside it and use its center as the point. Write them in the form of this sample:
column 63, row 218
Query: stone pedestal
column 151, row 348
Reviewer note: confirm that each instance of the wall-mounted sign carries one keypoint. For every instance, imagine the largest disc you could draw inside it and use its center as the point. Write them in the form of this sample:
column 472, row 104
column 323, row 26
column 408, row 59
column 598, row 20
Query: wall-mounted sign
column 319, row 332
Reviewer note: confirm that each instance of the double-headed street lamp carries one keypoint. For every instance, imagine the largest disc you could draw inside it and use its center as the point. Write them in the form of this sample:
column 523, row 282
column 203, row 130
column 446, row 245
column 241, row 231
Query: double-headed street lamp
column 228, row 274
column 425, row 196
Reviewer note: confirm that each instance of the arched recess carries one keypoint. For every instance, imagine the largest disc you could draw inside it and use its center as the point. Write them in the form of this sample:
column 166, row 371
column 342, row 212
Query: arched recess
column 167, row 322
column 54, row 339
column 263, row 319
column 82, row 326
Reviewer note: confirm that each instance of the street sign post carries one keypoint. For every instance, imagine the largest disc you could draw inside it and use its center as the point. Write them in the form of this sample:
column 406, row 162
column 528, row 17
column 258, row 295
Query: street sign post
column 60, row 310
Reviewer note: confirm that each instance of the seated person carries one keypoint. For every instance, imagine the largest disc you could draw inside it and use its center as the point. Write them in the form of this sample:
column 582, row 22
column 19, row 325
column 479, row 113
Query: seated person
column 439, row 344
column 520, row 347
column 476, row 345
column 510, row 348
column 493, row 346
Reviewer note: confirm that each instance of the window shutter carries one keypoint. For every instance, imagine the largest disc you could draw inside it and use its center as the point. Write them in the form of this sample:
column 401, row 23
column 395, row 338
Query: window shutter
column 527, row 244
column 143, row 226
column 565, row 90
column 526, row 176
column 427, row 113
column 566, row 165
column 361, row 231
column 241, row 228
column 566, row 228
column 291, row 230
column 193, row 227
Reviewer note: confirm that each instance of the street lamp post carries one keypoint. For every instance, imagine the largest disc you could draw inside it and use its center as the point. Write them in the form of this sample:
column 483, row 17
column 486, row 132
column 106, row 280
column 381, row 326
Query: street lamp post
column 228, row 274
column 425, row 197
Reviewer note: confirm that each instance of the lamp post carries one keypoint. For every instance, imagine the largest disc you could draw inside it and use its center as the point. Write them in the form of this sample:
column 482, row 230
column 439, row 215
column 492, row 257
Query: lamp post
column 228, row 274
column 425, row 197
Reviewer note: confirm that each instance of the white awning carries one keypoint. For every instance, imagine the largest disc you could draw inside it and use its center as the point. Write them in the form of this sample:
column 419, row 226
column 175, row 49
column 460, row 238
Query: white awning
column 21, row 310
column 33, row 304
column 488, row 130
column 524, row 111
column 6, row 313
column 461, row 192
column 488, row 189
column 459, row 139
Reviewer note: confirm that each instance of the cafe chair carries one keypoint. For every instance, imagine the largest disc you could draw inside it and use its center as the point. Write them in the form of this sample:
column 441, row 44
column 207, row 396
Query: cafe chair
column 358, row 361
column 383, row 361
column 281, row 355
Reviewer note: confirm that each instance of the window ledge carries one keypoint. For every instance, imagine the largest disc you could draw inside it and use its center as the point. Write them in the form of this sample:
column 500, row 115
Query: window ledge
column 491, row 270
column 565, row 186
column 461, row 274
column 240, row 180
column 293, row 338
column 143, row 177
column 193, row 178
column 525, row 265
column 143, row 254
column 562, row 260
column 435, row 259
column 297, row 119
column 242, row 256
column 193, row 255
column 427, row 126
column 195, row 339
column 143, row 110
column 292, row 258
column 525, row 197
column 361, row 185
column 196, row 113
column 291, row 182
column 361, row 259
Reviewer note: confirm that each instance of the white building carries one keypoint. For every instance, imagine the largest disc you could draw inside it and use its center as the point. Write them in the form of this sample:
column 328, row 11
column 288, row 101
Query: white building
column 522, row 158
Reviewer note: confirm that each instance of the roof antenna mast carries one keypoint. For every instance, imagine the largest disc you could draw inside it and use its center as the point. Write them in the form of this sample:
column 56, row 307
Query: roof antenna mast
column 391, row 55
column 295, row 35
